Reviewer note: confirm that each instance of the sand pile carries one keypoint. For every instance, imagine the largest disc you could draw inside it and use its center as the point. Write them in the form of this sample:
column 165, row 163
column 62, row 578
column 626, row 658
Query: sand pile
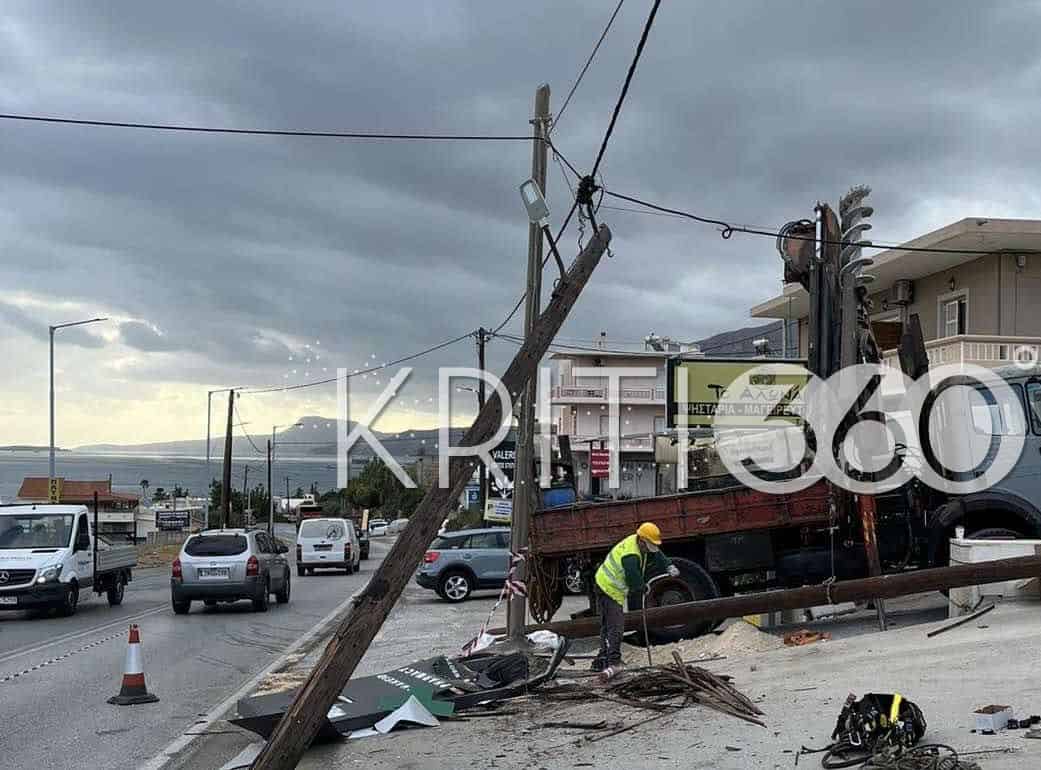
column 739, row 638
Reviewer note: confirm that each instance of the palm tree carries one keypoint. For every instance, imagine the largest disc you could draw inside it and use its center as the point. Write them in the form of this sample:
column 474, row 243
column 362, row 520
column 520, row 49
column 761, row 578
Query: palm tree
column 144, row 490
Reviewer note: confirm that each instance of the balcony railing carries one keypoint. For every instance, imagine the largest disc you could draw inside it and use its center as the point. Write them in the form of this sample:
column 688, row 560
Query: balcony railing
column 594, row 393
column 980, row 349
column 626, row 443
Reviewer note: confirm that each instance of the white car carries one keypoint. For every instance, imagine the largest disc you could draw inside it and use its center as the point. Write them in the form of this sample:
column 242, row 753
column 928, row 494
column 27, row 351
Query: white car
column 327, row 544
column 377, row 528
column 396, row 526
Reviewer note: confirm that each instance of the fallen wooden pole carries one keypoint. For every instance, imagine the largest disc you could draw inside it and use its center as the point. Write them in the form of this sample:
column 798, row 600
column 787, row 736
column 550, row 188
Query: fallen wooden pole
column 363, row 620
column 883, row 586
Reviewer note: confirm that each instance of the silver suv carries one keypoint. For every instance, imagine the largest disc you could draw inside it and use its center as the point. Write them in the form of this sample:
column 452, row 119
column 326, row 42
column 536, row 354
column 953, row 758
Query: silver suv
column 226, row 565
column 459, row 563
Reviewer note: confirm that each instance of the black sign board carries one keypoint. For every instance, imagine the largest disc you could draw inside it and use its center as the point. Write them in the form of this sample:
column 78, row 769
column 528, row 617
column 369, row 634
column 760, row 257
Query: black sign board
column 172, row 519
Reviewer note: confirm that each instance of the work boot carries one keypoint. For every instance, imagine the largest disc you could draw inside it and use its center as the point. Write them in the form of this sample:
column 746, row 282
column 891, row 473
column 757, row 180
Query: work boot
column 599, row 664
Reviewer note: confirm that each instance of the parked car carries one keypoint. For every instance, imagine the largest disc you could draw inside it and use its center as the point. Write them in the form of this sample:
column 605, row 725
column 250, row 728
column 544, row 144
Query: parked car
column 226, row 565
column 327, row 544
column 378, row 527
column 459, row 563
column 396, row 526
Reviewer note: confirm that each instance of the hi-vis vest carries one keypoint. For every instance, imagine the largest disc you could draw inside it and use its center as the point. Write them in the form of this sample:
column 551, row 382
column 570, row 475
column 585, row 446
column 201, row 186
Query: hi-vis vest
column 611, row 575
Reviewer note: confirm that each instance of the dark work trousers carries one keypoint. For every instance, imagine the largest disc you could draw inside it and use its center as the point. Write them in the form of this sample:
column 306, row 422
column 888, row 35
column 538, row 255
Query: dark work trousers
column 612, row 625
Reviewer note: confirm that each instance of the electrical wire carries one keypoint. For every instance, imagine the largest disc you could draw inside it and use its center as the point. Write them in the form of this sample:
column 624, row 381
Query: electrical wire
column 425, row 137
column 728, row 229
column 395, row 362
column 242, row 427
column 585, row 67
column 625, row 86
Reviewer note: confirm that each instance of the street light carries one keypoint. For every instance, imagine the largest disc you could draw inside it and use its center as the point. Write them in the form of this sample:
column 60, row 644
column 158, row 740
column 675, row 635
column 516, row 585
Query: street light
column 270, row 489
column 52, row 330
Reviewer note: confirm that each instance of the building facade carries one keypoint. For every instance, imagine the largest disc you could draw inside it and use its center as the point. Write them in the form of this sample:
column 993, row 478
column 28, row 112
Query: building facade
column 977, row 306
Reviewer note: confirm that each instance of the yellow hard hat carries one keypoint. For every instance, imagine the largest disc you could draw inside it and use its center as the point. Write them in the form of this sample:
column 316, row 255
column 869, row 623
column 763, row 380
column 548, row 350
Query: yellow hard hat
column 650, row 533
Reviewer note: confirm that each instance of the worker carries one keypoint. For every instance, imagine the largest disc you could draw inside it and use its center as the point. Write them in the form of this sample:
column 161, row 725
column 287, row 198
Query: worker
column 624, row 571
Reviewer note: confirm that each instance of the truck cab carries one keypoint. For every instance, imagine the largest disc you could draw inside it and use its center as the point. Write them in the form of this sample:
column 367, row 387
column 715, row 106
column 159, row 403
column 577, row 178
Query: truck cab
column 49, row 556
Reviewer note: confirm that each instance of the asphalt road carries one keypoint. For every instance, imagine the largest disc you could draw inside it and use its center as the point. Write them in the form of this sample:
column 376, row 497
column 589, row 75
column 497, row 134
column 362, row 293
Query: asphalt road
column 56, row 673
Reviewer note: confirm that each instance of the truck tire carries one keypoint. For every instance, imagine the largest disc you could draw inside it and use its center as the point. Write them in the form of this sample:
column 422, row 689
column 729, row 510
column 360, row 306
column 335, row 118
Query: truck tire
column 693, row 584
column 116, row 591
column 181, row 608
column 71, row 600
column 299, row 570
column 282, row 597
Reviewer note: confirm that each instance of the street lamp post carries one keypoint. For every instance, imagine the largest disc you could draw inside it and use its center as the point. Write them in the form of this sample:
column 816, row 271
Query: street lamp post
column 271, row 491
column 52, row 330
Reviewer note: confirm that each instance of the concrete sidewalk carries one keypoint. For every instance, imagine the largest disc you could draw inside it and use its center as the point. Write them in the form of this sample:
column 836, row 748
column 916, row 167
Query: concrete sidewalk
column 800, row 689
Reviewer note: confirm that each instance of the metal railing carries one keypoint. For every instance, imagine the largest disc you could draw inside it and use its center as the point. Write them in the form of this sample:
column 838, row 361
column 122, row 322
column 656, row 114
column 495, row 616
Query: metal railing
column 568, row 392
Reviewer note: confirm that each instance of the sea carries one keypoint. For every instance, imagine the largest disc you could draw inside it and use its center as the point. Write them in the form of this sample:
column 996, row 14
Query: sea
column 128, row 471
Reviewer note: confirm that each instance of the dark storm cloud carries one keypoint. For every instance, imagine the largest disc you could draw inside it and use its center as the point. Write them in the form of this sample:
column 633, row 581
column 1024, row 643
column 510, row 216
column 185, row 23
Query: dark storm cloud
column 242, row 248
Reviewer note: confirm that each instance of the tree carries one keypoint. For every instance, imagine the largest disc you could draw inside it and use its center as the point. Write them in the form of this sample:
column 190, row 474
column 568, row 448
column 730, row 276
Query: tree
column 160, row 494
column 179, row 491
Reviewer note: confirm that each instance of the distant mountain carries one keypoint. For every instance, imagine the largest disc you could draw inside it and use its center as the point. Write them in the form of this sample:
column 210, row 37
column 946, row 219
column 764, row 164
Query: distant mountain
column 29, row 448
column 311, row 436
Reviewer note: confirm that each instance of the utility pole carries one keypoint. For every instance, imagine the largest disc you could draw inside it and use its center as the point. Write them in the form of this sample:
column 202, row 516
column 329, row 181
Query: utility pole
column 225, row 492
column 482, row 336
column 368, row 611
column 270, row 494
column 525, row 491
column 245, row 487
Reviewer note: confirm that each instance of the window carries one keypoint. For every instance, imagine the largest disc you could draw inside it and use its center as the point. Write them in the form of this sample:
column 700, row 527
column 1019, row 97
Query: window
column 998, row 418
column 1034, row 405
column 484, row 540
column 953, row 314
column 605, row 425
column 447, row 543
column 659, row 425
column 215, row 545
column 83, row 534
column 263, row 544
column 35, row 530
column 322, row 528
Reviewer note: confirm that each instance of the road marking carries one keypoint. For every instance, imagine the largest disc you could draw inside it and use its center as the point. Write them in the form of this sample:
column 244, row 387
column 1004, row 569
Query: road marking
column 200, row 727
column 71, row 636
column 58, row 659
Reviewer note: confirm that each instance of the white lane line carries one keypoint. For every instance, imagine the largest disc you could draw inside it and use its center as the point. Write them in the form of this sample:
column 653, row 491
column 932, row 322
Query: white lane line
column 72, row 636
column 50, row 662
column 199, row 727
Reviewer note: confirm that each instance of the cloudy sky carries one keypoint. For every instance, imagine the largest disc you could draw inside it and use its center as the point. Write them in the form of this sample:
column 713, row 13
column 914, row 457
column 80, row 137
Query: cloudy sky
column 220, row 257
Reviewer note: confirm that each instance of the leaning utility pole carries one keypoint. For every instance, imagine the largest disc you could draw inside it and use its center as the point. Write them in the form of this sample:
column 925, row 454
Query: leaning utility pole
column 525, row 493
column 225, row 492
column 482, row 337
column 370, row 608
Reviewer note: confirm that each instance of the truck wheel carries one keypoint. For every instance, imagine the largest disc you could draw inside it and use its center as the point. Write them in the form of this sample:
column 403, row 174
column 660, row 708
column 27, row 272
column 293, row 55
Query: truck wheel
column 693, row 584
column 350, row 568
column 116, row 591
column 181, row 608
column 71, row 600
column 299, row 570
column 574, row 583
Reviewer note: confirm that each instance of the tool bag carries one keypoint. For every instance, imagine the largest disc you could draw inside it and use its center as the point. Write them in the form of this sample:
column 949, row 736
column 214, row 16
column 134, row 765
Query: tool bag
column 879, row 720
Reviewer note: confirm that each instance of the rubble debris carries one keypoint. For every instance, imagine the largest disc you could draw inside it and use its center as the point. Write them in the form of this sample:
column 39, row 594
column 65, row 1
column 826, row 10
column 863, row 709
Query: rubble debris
column 739, row 638
column 804, row 637
column 441, row 684
column 410, row 712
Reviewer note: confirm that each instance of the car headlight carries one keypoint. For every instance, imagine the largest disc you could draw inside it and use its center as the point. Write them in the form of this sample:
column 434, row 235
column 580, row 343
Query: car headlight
column 49, row 575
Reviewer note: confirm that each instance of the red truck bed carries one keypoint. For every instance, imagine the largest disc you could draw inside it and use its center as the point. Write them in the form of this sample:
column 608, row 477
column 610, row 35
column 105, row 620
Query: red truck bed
column 598, row 526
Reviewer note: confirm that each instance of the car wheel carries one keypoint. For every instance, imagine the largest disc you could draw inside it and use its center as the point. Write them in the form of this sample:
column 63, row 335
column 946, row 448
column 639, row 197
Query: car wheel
column 181, row 608
column 116, row 591
column 299, row 571
column 282, row 597
column 455, row 586
column 310, row 570
column 350, row 568
column 261, row 602
column 70, row 602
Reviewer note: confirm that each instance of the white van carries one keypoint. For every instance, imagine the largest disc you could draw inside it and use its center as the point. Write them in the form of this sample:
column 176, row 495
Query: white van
column 327, row 544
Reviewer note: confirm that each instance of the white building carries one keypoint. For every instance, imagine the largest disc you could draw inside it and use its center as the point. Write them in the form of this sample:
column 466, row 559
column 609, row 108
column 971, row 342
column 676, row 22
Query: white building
column 582, row 413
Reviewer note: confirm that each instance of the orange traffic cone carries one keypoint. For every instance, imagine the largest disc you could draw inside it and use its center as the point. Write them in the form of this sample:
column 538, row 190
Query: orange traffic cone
column 133, row 689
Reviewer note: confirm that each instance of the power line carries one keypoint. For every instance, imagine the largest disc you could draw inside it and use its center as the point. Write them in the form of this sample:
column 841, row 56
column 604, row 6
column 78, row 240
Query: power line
column 625, row 86
column 395, row 362
column 425, row 137
column 585, row 67
column 728, row 229
column 242, row 427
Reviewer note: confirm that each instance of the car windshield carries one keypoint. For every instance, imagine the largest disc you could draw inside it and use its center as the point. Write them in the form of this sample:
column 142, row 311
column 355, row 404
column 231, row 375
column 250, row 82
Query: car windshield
column 330, row 530
column 215, row 545
column 35, row 530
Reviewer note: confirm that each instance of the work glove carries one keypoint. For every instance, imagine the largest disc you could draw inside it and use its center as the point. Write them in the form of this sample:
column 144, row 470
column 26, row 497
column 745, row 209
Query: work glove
column 673, row 571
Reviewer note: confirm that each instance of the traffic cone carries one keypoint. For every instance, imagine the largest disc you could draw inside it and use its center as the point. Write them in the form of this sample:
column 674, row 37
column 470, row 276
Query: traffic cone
column 133, row 689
